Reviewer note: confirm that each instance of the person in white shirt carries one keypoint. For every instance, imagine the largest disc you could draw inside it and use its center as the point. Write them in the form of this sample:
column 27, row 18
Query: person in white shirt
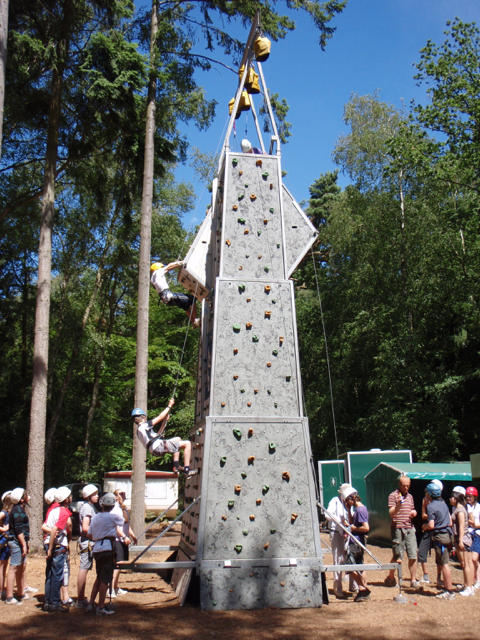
column 184, row 301
column 338, row 539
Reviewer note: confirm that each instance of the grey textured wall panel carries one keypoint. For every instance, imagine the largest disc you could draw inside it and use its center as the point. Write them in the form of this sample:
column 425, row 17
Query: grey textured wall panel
column 260, row 587
column 252, row 234
column 263, row 504
column 255, row 369
column 300, row 234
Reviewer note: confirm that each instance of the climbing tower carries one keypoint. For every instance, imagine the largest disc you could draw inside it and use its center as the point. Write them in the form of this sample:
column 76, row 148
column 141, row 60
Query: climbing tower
column 254, row 533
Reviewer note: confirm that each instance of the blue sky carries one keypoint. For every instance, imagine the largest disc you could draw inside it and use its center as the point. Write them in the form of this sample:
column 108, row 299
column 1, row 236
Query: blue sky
column 374, row 47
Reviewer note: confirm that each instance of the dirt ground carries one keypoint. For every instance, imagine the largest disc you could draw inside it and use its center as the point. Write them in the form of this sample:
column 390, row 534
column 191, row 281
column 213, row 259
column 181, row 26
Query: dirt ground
column 151, row 610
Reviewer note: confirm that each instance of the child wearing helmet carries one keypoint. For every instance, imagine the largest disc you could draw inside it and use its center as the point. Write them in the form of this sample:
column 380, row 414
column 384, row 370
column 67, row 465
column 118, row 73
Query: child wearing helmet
column 473, row 510
column 462, row 538
column 87, row 512
column 155, row 442
column 18, row 539
column 439, row 523
column 184, row 301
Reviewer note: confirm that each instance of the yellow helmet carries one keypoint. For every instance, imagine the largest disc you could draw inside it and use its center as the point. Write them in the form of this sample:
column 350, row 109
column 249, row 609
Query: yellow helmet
column 155, row 266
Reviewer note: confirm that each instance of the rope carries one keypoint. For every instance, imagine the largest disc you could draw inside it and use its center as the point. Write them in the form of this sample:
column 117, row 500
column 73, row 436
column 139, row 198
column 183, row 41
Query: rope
column 327, row 355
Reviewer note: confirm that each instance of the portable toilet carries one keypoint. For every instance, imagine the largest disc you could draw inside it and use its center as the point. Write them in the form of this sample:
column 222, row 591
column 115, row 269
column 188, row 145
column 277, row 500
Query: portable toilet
column 331, row 474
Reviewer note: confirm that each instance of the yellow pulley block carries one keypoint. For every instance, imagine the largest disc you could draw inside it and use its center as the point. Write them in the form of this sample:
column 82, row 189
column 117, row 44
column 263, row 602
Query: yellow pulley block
column 261, row 48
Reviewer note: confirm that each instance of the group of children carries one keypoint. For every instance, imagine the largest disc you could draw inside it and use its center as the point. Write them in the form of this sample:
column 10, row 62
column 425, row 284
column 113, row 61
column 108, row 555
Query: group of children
column 104, row 537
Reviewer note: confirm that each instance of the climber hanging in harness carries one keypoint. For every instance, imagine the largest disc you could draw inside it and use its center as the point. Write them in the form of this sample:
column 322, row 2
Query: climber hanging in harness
column 156, row 443
column 185, row 301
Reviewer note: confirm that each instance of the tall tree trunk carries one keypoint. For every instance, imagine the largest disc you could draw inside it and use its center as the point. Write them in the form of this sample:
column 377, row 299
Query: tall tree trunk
column 141, row 367
column 3, row 60
column 38, row 407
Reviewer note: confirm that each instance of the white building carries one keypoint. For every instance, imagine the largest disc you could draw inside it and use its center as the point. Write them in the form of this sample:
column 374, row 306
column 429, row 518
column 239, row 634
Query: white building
column 161, row 490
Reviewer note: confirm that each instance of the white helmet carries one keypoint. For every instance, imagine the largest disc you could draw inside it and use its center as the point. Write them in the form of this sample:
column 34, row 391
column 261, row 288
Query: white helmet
column 16, row 495
column 108, row 500
column 88, row 490
column 49, row 496
column 246, row 146
column 344, row 489
column 439, row 484
column 6, row 495
column 62, row 494
column 459, row 489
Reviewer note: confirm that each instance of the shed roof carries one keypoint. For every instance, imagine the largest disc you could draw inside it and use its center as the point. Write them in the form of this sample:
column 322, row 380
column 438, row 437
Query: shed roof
column 430, row 471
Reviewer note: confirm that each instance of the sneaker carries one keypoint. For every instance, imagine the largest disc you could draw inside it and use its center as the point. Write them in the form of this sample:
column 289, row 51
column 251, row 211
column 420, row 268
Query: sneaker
column 468, row 591
column 30, row 590
column 121, row 592
column 415, row 584
column 354, row 588
column 25, row 597
column 475, row 586
column 58, row 608
column 81, row 604
column 68, row 603
column 362, row 595
column 446, row 595
column 89, row 609
column 390, row 582
column 105, row 612
column 459, row 587
column 112, row 595
column 190, row 473
column 425, row 580
column 12, row 601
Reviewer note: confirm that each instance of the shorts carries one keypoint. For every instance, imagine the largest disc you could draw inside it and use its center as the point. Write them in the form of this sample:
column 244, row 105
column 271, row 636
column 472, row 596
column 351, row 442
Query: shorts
column 86, row 556
column 120, row 551
column 165, row 446
column 476, row 544
column 354, row 554
column 5, row 551
column 105, row 565
column 441, row 543
column 16, row 559
column 181, row 300
column 404, row 539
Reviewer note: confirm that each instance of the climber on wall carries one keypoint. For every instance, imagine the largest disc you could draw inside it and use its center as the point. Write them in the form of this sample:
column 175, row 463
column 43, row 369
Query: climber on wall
column 184, row 301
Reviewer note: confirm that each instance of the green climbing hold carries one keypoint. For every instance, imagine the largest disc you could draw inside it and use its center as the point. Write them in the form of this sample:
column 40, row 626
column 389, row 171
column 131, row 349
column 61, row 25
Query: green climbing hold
column 237, row 433
column 223, row 461
column 265, row 175
column 288, row 378
column 254, row 338
column 246, row 186
column 273, row 531
column 259, row 233
column 266, row 269
column 271, row 209
column 274, row 301
column 241, row 196
column 247, row 256
column 265, row 488
column 236, row 328
column 214, row 603
column 234, row 161
column 299, row 501
column 269, row 392
column 243, row 474
column 242, row 390
column 274, row 352
column 231, row 503
column 209, row 578
column 238, row 517
column 241, row 287
column 241, row 220
column 275, row 404
column 245, row 532
column 238, row 548
column 272, row 446
column 278, row 245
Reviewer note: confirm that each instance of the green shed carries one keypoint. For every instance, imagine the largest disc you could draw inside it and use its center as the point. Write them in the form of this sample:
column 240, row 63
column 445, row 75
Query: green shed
column 382, row 480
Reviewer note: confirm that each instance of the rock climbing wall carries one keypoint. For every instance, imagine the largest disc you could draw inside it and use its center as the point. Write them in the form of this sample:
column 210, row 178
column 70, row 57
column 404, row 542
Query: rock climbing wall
column 257, row 542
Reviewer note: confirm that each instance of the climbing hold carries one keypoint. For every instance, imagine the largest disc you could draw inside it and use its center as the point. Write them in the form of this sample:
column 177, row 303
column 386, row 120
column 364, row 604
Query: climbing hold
column 299, row 501
column 269, row 364
column 288, row 378
column 258, row 163
column 275, row 404
column 294, row 517
column 224, row 517
column 237, row 433
column 286, row 476
column 236, row 328
column 282, row 584
column 238, row 488
column 278, row 245
column 259, row 233
column 240, row 268
column 267, row 288
column 265, row 489
column 234, row 162
column 235, row 377
column 249, row 299
column 234, row 207
column 242, row 390
column 265, row 175
column 251, row 459
column 238, row 548
column 241, row 287
column 269, row 392
column 245, row 233
column 271, row 209
column 231, row 503
column 274, row 301
column 214, row 603
column 235, row 351
column 241, row 196
column 273, row 531
column 271, row 185
column 244, row 474
column 254, row 338
column 246, row 186
column 228, row 243
column 266, row 269
column 255, row 391
column 253, row 197
column 248, row 325
column 274, row 352
column 268, row 314
column 245, row 532
column 240, row 173
column 252, row 517
column 259, row 256
column 281, row 339
column 241, row 220
column 272, row 446
column 266, row 545
column 223, row 461
column 259, row 501
column 265, row 221
column 249, row 404
column 250, row 432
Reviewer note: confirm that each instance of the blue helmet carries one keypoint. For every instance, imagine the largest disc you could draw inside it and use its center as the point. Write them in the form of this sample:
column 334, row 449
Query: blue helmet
column 434, row 490
column 138, row 412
